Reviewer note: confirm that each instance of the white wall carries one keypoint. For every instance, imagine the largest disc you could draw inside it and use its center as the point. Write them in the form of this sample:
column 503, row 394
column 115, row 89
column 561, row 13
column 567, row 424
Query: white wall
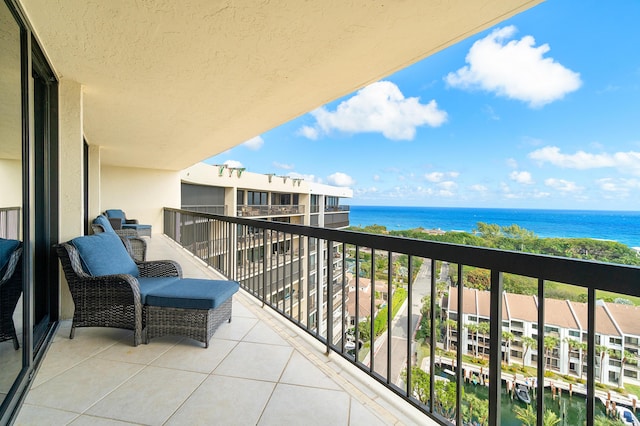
column 11, row 176
column 141, row 193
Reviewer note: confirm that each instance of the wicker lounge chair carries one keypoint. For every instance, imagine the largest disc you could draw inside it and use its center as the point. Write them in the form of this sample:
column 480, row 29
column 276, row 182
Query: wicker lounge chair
column 119, row 222
column 137, row 247
column 109, row 289
column 106, row 283
column 10, row 288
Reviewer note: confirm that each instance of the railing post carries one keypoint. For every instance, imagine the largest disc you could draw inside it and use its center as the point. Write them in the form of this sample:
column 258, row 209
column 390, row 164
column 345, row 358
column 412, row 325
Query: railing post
column 432, row 338
column 541, row 366
column 591, row 355
column 329, row 295
column 495, row 352
column 459, row 383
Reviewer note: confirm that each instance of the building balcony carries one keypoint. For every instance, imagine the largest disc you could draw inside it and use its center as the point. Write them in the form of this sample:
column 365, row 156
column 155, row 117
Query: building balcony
column 258, row 369
column 271, row 210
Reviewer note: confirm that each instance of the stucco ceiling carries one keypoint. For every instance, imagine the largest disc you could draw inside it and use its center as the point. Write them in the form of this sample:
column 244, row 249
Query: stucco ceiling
column 169, row 83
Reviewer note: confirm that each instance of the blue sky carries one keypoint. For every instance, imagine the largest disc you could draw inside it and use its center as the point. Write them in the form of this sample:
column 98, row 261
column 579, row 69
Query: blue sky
column 541, row 111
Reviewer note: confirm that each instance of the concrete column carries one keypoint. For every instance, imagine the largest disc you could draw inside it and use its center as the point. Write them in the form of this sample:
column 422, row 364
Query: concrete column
column 95, row 201
column 70, row 174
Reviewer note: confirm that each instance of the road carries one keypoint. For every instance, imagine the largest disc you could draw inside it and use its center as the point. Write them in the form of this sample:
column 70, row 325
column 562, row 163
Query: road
column 400, row 329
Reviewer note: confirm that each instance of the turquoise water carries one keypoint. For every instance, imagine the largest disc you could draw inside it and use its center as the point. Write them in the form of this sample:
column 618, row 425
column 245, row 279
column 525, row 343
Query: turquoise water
column 621, row 226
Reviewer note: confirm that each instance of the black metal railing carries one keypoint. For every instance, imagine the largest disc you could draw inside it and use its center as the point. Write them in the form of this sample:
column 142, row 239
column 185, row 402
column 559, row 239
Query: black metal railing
column 10, row 223
column 408, row 342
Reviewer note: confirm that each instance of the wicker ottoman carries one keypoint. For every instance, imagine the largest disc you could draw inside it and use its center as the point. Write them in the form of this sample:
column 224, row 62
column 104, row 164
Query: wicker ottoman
column 189, row 307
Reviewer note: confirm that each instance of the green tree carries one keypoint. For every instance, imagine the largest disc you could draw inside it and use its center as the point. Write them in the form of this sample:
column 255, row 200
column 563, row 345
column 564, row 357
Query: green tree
column 473, row 329
column 550, row 342
column 550, row 418
column 528, row 343
column 571, row 344
column 475, row 409
column 582, row 348
column 526, row 415
column 451, row 325
column 508, row 337
column 484, row 328
column 626, row 357
column 420, row 383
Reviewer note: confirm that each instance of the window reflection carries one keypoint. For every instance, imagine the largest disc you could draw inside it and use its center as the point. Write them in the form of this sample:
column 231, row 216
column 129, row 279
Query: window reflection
column 10, row 202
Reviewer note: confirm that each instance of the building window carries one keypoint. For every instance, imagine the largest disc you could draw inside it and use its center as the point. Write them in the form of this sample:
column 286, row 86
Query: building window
column 517, row 324
column 615, row 341
column 255, row 198
column 574, row 333
column 631, row 340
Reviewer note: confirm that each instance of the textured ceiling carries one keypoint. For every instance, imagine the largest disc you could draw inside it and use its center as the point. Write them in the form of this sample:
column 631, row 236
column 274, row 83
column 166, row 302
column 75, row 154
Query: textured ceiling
column 169, row 83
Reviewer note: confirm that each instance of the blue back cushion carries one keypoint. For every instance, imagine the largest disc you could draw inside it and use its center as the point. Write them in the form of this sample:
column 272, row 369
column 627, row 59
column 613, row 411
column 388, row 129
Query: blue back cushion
column 104, row 222
column 7, row 247
column 115, row 213
column 104, row 254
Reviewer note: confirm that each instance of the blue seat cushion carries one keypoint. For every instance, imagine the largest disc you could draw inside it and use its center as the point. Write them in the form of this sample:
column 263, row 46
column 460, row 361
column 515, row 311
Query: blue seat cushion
column 115, row 213
column 189, row 293
column 104, row 254
column 152, row 284
column 7, row 247
column 104, row 222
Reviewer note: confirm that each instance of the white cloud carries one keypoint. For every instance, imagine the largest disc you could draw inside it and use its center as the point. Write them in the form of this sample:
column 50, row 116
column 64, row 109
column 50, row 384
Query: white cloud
column 521, row 177
column 562, row 185
column 479, row 188
column 512, row 163
column 376, row 178
column 340, row 179
column 233, row 164
column 282, row 166
column 448, row 185
column 308, row 132
column 308, row 178
column 515, row 69
column 618, row 185
column 581, row 160
column 439, row 176
column 380, row 107
column 254, row 143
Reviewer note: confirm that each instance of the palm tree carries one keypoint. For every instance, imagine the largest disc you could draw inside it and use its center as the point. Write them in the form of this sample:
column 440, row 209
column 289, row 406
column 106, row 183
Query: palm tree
column 508, row 337
column 550, row 418
column 451, row 325
column 550, row 342
column 582, row 348
column 572, row 344
column 602, row 351
column 626, row 357
column 473, row 329
column 526, row 415
column 528, row 343
column 484, row 328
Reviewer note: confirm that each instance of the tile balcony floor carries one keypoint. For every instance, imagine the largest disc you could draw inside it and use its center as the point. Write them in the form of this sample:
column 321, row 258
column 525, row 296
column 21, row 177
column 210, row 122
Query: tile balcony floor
column 258, row 370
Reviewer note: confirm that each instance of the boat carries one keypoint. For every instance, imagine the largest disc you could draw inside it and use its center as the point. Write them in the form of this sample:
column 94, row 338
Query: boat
column 627, row 417
column 522, row 392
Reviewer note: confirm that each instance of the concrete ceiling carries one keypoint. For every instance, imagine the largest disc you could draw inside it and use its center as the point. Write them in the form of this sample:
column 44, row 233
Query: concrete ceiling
column 168, row 83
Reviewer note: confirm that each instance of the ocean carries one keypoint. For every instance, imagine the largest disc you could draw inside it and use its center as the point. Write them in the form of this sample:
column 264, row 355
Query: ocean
column 621, row 226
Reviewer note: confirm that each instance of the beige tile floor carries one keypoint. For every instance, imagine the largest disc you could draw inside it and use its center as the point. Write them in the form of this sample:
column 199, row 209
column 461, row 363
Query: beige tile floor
column 258, row 370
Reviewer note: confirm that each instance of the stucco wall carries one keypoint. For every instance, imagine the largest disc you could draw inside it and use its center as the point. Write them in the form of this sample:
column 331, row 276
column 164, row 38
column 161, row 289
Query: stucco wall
column 141, row 193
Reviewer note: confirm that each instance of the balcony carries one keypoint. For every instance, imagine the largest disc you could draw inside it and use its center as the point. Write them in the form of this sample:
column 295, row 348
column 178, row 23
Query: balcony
column 399, row 353
column 272, row 210
column 254, row 370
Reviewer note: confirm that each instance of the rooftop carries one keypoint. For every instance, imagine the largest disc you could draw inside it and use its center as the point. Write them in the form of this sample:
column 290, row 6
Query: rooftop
column 257, row 370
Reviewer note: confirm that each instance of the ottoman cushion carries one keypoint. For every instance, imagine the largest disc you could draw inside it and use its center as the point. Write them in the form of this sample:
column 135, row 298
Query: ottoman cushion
column 190, row 293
